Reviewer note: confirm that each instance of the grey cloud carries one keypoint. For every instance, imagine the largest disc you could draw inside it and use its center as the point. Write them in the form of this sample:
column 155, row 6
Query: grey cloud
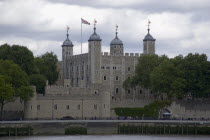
column 150, row 6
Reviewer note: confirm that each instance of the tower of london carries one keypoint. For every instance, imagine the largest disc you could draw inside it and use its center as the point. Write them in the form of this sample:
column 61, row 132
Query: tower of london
column 91, row 84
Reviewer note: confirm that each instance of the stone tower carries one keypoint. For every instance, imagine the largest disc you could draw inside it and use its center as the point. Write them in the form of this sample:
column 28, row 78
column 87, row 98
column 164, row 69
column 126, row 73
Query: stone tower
column 149, row 42
column 116, row 46
column 94, row 57
column 67, row 51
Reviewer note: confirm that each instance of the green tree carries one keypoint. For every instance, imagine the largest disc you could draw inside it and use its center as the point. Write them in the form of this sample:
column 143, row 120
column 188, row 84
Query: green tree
column 145, row 66
column 20, row 55
column 168, row 78
column 39, row 81
column 6, row 94
column 197, row 70
column 47, row 66
column 15, row 79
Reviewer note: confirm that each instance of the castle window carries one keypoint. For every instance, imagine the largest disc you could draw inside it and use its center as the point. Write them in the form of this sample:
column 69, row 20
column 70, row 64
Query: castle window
column 77, row 68
column 129, row 91
column 66, row 52
column 72, row 81
column 117, row 90
column 95, row 107
column 114, row 51
column 77, row 81
column 95, row 92
column 102, row 67
column 38, row 107
column 55, row 107
column 129, row 68
column 31, row 107
column 117, row 78
column 107, row 67
column 67, row 107
column 78, row 107
column 82, row 67
column 82, row 77
column 87, row 78
column 140, row 91
column 104, row 77
column 114, row 68
column 114, row 46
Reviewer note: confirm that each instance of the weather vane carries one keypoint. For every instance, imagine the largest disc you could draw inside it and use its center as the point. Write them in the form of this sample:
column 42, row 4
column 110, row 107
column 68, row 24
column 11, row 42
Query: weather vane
column 116, row 29
column 67, row 31
column 95, row 23
column 149, row 22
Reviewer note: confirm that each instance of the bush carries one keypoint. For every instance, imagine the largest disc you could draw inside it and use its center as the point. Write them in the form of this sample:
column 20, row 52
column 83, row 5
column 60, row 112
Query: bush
column 150, row 110
column 76, row 130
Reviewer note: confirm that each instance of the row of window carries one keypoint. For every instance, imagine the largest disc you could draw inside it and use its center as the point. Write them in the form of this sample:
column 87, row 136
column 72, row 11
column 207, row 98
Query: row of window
column 116, row 78
column 114, row 68
column 77, row 68
column 67, row 107
column 117, row 47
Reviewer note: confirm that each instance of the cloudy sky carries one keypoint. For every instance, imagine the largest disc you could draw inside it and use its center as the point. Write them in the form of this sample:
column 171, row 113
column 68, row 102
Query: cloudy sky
column 180, row 26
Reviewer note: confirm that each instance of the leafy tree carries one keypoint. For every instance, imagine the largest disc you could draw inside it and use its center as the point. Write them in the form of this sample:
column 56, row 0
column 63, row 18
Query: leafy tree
column 47, row 66
column 25, row 93
column 20, row 55
column 197, row 72
column 168, row 78
column 178, row 77
column 39, row 81
column 15, row 83
column 6, row 94
column 145, row 66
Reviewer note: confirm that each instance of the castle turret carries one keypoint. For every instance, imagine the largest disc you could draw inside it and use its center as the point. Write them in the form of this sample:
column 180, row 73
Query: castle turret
column 94, row 56
column 149, row 42
column 67, row 50
column 116, row 45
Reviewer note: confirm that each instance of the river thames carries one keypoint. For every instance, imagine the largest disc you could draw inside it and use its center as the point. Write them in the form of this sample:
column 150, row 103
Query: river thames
column 110, row 137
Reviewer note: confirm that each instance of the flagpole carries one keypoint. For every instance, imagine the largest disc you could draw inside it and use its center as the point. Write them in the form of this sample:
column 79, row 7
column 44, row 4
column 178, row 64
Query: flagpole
column 81, row 36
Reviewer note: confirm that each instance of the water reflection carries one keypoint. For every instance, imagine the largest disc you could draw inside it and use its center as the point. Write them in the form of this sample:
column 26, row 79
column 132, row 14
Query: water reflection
column 109, row 137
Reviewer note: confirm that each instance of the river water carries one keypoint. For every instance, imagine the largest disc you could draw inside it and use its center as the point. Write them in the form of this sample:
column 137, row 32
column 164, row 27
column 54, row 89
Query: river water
column 109, row 137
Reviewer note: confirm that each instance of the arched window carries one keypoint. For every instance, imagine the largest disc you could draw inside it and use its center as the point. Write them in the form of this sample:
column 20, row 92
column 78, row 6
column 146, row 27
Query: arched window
column 104, row 77
column 116, row 78
column 140, row 91
column 116, row 90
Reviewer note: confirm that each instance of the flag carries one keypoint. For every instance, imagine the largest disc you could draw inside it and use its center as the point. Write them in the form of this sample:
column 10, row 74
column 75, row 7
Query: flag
column 85, row 22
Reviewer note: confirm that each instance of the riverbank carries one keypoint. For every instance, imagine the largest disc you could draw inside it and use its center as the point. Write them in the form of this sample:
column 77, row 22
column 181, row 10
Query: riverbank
column 104, row 127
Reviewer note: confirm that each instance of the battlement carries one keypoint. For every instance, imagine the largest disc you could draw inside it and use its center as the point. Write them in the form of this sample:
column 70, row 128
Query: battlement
column 79, row 56
column 125, row 54
column 130, row 103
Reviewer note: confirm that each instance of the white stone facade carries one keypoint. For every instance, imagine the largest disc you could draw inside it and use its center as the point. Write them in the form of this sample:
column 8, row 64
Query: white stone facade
column 91, row 85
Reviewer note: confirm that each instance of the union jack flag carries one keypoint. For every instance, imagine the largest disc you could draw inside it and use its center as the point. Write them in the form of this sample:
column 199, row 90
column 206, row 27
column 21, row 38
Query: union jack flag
column 85, row 22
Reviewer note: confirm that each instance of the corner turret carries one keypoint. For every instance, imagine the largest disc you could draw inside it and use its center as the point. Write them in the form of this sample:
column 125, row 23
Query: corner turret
column 149, row 42
column 116, row 45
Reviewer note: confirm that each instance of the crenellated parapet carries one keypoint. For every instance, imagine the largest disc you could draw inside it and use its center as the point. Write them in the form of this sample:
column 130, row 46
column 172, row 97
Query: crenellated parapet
column 125, row 54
